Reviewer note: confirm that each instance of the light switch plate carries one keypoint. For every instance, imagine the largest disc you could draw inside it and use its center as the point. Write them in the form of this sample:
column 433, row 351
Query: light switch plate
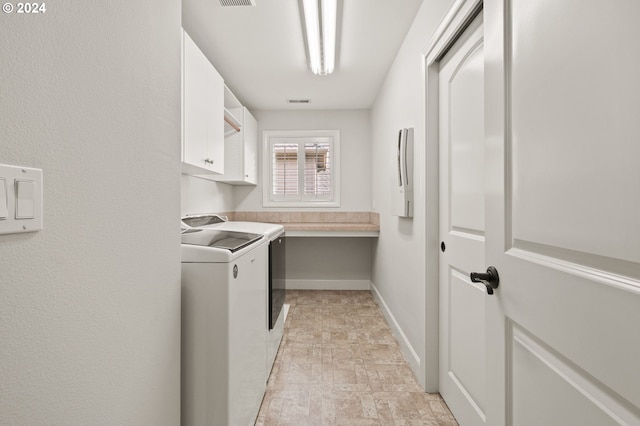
column 14, row 177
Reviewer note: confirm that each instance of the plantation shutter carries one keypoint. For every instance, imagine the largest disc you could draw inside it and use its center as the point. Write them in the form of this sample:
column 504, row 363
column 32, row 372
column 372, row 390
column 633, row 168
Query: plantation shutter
column 317, row 170
column 284, row 170
column 302, row 169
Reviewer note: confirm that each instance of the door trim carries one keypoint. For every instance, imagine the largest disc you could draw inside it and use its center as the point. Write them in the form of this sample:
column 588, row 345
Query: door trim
column 452, row 26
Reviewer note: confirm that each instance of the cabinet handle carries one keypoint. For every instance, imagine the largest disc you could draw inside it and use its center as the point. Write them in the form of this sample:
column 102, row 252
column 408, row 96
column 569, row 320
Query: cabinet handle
column 208, row 161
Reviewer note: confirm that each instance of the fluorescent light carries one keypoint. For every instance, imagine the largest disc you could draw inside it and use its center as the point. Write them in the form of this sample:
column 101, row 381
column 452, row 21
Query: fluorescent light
column 329, row 11
column 321, row 44
column 312, row 21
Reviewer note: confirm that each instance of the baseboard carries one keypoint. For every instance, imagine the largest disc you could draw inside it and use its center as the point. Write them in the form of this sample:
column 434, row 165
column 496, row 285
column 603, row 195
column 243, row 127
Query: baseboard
column 327, row 284
column 409, row 353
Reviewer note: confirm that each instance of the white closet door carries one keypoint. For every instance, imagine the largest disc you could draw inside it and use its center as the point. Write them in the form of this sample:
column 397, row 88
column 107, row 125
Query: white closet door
column 462, row 226
column 563, row 211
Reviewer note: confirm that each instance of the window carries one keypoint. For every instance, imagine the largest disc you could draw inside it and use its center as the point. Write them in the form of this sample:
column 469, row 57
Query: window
column 301, row 168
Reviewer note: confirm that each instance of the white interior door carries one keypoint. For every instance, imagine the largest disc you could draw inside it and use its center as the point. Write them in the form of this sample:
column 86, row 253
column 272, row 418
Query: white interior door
column 462, row 226
column 563, row 211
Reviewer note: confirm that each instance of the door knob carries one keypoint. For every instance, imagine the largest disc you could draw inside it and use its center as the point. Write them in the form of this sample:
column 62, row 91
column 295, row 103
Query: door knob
column 490, row 279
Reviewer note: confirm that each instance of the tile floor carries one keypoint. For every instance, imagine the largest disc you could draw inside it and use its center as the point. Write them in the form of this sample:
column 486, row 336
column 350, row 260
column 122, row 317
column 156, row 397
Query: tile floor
column 339, row 364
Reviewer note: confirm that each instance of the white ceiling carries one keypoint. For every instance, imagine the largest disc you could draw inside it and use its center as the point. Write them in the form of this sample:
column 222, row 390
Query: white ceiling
column 259, row 50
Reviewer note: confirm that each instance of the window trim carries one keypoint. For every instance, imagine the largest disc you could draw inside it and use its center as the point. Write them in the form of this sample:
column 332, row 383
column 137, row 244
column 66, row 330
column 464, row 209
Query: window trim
column 267, row 135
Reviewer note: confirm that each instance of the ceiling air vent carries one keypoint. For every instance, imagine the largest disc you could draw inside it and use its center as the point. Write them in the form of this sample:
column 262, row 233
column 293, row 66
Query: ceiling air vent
column 237, row 2
column 299, row 101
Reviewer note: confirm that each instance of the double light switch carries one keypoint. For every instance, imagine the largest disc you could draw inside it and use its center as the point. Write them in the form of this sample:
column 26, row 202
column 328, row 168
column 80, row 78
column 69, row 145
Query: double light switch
column 20, row 199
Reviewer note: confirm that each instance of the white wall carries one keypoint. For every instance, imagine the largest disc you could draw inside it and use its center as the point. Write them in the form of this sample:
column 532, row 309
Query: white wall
column 90, row 306
column 205, row 196
column 320, row 263
column 315, row 262
column 355, row 156
column 399, row 255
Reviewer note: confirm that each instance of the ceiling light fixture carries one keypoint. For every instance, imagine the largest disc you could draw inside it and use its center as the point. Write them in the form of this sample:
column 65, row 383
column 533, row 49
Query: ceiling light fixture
column 320, row 22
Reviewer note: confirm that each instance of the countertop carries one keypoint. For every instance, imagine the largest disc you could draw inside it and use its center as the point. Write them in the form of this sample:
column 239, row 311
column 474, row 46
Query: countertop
column 317, row 224
column 331, row 229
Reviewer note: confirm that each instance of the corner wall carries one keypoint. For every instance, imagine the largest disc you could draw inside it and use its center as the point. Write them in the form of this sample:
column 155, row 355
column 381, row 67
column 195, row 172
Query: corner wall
column 313, row 262
column 205, row 196
column 355, row 154
column 90, row 305
column 398, row 256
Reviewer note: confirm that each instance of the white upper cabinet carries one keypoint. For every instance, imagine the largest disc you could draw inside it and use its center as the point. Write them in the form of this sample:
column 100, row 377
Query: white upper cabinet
column 203, row 125
column 240, row 147
column 250, row 144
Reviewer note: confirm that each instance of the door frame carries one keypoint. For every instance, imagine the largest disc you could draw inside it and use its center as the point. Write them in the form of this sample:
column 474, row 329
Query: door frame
column 457, row 19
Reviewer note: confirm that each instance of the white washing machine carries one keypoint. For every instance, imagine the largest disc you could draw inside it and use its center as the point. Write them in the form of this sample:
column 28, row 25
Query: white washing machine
column 277, row 270
column 224, row 292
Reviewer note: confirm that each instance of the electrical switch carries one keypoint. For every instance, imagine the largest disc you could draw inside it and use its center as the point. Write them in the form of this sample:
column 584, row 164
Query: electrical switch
column 4, row 211
column 25, row 206
column 20, row 200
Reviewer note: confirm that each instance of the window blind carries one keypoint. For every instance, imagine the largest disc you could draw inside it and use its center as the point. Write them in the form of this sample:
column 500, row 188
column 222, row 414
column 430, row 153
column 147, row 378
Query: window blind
column 317, row 169
column 302, row 169
column 284, row 169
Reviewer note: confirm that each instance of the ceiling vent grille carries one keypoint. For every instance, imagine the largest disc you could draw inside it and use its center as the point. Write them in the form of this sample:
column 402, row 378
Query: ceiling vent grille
column 237, row 2
column 299, row 101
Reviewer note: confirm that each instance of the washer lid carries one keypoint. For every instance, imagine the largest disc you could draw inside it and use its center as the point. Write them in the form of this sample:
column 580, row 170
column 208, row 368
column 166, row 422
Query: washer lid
column 270, row 230
column 228, row 240
column 216, row 246
column 202, row 220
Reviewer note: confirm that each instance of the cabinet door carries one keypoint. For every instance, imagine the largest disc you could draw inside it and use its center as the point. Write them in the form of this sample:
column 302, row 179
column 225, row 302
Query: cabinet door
column 203, row 111
column 215, row 120
column 195, row 139
column 250, row 129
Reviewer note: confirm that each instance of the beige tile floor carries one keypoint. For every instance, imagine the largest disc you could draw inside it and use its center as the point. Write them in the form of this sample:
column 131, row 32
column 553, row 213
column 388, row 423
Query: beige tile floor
column 339, row 364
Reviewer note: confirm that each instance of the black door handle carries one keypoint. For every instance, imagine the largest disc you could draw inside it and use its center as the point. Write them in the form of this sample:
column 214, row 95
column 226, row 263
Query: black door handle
column 490, row 279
